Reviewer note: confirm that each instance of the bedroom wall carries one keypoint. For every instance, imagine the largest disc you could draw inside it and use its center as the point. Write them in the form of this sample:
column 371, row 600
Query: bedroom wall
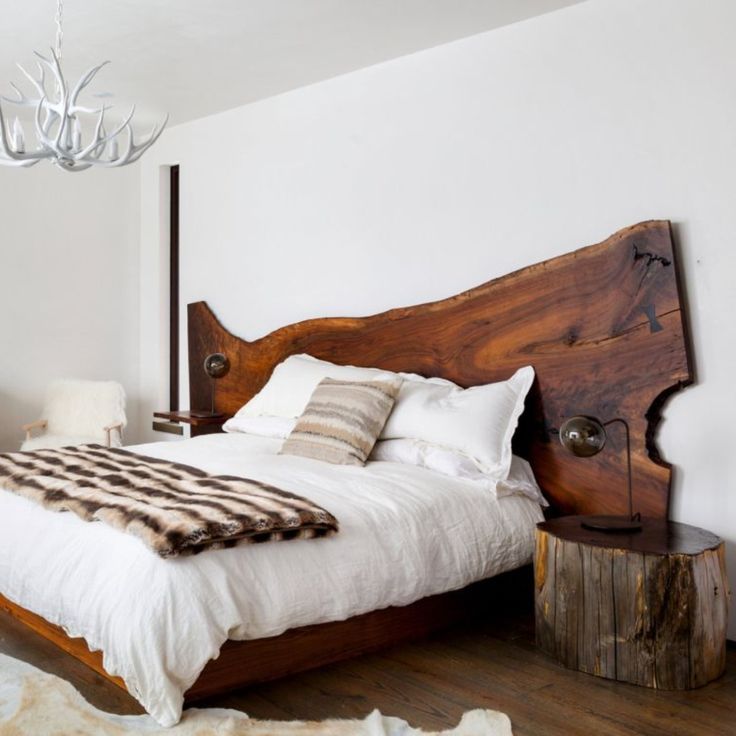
column 415, row 179
column 69, row 247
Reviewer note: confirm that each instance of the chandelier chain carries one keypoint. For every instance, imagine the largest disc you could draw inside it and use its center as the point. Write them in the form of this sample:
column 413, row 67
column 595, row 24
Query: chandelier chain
column 59, row 30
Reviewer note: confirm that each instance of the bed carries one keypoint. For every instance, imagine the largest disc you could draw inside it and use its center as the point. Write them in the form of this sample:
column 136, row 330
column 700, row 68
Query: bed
column 603, row 328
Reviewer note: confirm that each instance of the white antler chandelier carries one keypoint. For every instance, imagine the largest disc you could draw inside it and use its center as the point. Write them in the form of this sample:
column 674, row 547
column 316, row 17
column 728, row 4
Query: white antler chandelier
column 58, row 125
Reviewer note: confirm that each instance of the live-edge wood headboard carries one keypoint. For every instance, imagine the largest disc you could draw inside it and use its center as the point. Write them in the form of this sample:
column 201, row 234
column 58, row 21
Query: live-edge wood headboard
column 603, row 327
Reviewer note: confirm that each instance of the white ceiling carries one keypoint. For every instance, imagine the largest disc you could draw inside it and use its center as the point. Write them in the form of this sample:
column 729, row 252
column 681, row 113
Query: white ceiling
column 193, row 58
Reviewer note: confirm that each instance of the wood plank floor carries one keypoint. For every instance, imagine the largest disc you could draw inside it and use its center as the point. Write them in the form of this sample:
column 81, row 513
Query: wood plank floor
column 489, row 664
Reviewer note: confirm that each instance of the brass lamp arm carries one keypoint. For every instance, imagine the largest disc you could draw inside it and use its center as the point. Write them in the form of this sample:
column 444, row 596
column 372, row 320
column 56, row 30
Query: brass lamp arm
column 585, row 436
column 619, row 420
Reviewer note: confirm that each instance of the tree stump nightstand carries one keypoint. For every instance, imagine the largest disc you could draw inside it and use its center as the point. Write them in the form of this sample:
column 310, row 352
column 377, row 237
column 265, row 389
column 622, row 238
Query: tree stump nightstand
column 648, row 607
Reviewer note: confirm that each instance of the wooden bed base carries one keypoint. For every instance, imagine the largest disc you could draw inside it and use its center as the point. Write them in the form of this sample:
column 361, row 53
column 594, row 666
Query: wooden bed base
column 243, row 663
column 604, row 328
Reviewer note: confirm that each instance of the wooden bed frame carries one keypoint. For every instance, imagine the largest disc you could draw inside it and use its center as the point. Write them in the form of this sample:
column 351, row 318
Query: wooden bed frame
column 603, row 327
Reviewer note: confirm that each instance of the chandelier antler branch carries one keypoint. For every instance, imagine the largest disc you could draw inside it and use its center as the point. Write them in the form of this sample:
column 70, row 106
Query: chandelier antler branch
column 58, row 122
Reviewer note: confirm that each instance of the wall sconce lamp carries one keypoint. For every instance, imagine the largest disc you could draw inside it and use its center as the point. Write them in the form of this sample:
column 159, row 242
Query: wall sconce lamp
column 586, row 436
column 216, row 366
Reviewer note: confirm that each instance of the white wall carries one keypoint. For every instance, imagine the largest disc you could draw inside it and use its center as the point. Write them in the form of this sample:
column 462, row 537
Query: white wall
column 68, row 286
column 423, row 176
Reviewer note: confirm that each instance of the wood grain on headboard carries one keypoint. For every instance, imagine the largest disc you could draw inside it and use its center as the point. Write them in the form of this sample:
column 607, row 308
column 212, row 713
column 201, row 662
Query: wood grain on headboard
column 603, row 327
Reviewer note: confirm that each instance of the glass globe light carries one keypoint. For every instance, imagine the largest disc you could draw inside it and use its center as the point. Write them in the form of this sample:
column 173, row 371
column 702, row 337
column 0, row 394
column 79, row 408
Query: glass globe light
column 583, row 436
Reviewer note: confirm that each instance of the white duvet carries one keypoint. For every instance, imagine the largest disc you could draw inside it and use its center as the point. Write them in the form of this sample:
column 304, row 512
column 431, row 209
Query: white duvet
column 405, row 533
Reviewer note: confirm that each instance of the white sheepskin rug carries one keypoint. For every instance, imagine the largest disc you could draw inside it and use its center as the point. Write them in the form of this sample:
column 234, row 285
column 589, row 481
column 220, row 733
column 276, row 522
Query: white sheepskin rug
column 39, row 704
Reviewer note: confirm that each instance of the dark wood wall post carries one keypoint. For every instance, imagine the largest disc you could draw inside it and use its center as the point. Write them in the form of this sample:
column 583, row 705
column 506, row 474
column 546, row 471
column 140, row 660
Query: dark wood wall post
column 174, row 288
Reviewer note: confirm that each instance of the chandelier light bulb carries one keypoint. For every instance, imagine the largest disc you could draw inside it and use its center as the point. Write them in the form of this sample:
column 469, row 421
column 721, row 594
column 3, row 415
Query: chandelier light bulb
column 76, row 134
column 19, row 142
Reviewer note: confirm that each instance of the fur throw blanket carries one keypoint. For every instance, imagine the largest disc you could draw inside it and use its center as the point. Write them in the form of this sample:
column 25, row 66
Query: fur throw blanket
column 175, row 509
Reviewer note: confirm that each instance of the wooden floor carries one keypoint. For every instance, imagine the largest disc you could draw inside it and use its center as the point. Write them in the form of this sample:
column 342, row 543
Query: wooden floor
column 492, row 664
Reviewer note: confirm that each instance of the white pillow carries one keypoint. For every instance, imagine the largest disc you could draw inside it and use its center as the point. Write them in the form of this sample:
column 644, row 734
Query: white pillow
column 520, row 480
column 293, row 381
column 276, row 427
column 478, row 421
column 426, row 455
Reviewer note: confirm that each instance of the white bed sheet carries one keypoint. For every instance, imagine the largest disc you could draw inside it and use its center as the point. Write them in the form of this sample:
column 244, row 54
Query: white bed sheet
column 405, row 533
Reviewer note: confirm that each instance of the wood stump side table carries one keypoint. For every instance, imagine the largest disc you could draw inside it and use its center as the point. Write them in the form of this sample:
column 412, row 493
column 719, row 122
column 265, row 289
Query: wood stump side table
column 648, row 607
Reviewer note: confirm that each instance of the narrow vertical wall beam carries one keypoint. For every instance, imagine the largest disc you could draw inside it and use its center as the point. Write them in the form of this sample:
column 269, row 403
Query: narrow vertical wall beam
column 174, row 289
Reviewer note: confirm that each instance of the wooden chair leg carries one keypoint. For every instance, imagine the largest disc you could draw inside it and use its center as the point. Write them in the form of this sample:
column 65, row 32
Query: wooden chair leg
column 28, row 428
column 108, row 432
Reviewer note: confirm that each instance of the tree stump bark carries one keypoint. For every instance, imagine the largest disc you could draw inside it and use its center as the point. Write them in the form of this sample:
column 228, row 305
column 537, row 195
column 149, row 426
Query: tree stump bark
column 650, row 607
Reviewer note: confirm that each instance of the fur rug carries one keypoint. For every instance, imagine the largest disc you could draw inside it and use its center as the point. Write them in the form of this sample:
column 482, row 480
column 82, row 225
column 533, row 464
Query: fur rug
column 35, row 703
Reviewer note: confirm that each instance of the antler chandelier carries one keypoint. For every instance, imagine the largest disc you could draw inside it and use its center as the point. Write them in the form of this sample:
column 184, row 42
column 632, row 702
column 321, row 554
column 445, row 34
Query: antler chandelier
column 58, row 122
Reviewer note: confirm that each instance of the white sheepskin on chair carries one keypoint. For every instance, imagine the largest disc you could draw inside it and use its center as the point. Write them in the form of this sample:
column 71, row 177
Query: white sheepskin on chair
column 77, row 412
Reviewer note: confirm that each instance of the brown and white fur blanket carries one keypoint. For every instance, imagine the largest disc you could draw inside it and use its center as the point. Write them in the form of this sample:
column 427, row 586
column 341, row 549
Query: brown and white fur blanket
column 175, row 509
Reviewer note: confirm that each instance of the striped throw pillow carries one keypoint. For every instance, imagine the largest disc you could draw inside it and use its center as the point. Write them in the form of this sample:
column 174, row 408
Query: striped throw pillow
column 342, row 421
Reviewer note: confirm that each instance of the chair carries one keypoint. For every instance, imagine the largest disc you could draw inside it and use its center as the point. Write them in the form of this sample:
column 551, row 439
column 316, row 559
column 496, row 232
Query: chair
column 78, row 413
